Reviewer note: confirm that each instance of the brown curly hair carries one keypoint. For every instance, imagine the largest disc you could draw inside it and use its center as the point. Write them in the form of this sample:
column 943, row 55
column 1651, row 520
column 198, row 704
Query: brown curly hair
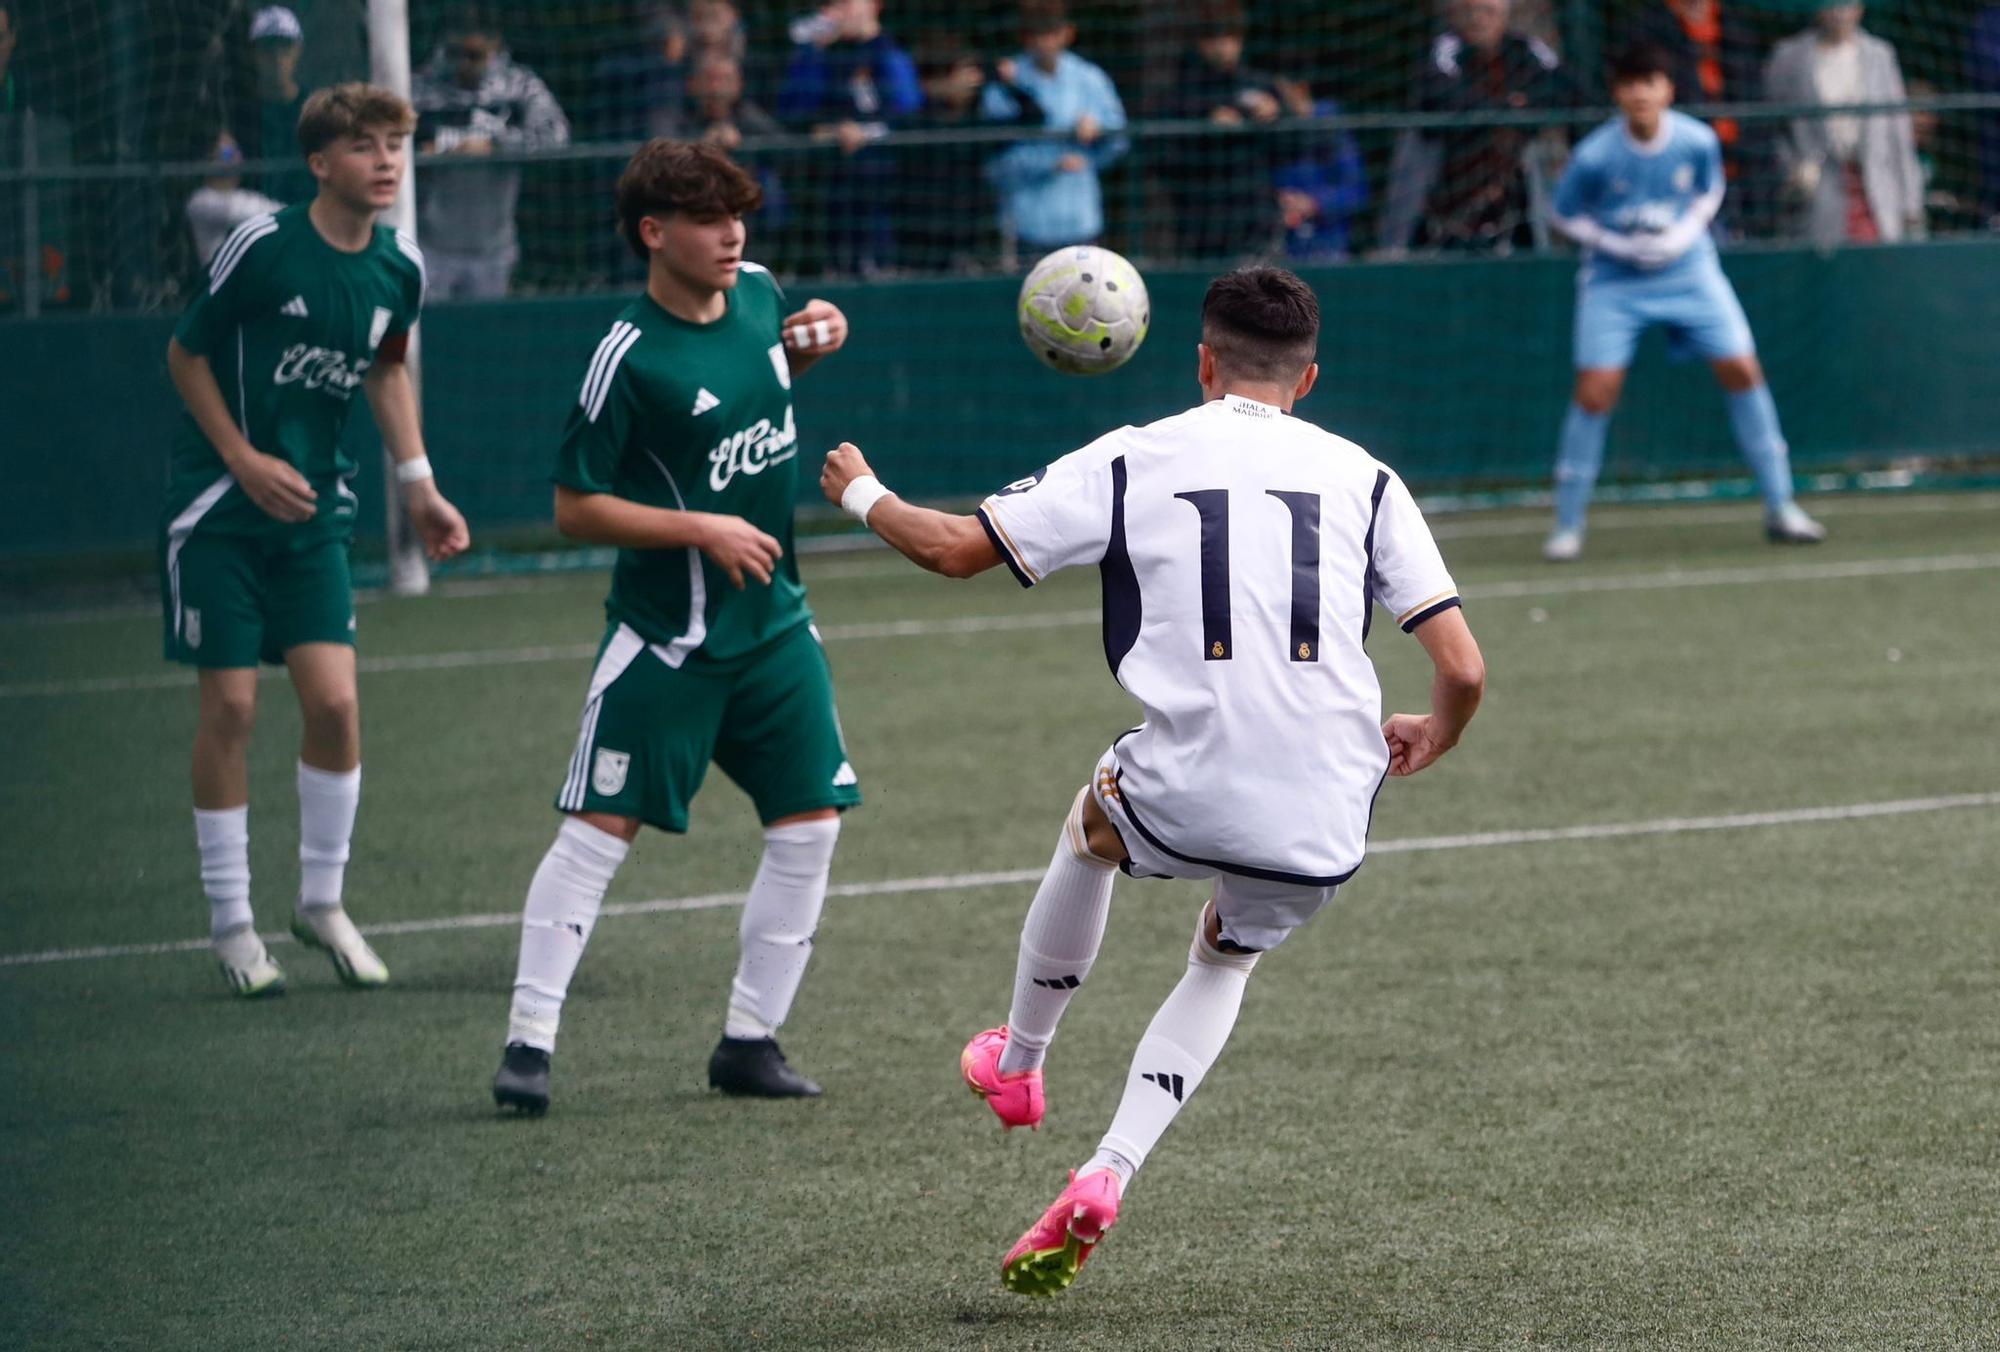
column 698, row 181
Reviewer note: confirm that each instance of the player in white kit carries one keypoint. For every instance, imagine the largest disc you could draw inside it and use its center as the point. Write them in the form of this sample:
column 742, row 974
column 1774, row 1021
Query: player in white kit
column 1241, row 552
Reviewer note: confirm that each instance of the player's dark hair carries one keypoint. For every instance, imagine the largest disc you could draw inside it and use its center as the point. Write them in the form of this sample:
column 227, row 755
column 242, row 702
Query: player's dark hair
column 1641, row 61
column 1261, row 323
column 698, row 181
column 344, row 109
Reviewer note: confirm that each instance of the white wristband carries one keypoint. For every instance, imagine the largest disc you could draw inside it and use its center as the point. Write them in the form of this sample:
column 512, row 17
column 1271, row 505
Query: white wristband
column 859, row 498
column 411, row 471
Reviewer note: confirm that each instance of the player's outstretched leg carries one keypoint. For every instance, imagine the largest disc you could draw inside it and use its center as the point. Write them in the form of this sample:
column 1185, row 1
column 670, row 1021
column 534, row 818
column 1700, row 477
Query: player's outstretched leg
column 779, row 918
column 1059, row 943
column 1173, row 1057
column 1753, row 417
column 563, row 902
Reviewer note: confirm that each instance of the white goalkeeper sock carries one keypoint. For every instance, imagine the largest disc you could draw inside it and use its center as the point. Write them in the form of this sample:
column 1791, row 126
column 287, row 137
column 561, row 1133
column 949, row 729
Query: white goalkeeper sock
column 327, row 803
column 223, row 837
column 563, row 902
column 1180, row 1045
column 1059, row 943
column 779, row 919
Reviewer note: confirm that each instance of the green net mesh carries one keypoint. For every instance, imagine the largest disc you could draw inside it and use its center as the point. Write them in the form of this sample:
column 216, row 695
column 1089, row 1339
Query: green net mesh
column 917, row 156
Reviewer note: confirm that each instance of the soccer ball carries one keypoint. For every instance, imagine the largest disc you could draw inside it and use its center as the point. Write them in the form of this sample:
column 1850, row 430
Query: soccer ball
column 1084, row 310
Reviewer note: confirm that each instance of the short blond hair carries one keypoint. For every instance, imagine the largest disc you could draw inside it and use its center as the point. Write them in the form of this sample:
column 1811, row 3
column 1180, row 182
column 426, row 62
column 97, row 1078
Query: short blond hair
column 343, row 109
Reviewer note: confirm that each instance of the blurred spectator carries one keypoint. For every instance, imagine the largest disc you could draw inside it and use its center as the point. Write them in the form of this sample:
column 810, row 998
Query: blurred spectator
column 1716, row 59
column 1479, row 197
column 1221, row 186
column 640, row 91
column 13, row 97
column 222, row 203
column 939, row 231
column 849, row 83
column 1951, row 201
column 471, row 101
column 269, row 128
column 715, row 28
column 719, row 114
column 1321, row 192
column 1049, row 191
column 1854, row 178
column 1984, row 68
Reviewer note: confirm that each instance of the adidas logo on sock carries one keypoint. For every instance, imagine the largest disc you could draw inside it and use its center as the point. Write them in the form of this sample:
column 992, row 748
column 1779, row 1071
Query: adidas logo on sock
column 1058, row 983
column 295, row 307
column 703, row 402
column 1173, row 1084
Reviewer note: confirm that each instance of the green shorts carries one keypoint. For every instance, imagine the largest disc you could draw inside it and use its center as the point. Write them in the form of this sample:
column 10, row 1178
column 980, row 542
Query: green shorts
column 233, row 600
column 649, row 731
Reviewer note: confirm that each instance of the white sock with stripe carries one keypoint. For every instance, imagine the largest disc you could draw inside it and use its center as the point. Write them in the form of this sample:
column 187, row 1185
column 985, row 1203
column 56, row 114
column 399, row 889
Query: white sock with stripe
column 1059, row 943
column 563, row 902
column 327, row 803
column 223, row 837
column 1180, row 1045
column 779, row 919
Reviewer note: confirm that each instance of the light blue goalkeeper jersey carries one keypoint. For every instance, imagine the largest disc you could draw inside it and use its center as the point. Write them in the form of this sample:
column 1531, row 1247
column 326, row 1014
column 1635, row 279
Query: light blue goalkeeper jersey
column 1635, row 189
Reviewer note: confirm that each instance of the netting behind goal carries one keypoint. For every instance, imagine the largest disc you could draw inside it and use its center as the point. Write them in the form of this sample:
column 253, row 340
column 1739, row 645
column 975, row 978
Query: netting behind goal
column 917, row 156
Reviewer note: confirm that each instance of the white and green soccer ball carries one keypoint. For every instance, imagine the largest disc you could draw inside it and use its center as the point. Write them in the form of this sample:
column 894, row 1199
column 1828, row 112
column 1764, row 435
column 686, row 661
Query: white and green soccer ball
column 1084, row 310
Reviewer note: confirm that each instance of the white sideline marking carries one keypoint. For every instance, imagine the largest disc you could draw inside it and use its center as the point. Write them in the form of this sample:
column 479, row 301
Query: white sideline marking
column 959, row 882
column 1545, row 585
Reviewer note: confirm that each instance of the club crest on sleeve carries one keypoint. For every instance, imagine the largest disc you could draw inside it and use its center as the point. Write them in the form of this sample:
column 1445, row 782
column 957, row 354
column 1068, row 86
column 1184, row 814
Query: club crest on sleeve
column 377, row 326
column 607, row 772
column 780, row 365
column 1023, row 485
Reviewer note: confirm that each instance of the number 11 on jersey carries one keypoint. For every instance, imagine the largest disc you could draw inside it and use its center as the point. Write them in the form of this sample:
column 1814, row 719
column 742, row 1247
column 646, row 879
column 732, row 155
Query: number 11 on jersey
column 1212, row 504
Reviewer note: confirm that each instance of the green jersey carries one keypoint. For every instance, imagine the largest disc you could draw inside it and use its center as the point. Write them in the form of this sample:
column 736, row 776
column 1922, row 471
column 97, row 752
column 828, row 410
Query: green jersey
column 289, row 325
column 696, row 417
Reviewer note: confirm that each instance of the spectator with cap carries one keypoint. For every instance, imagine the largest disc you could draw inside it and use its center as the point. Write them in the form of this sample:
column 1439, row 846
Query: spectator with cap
column 1049, row 190
column 1850, row 177
column 268, row 129
column 222, row 203
column 848, row 83
column 473, row 101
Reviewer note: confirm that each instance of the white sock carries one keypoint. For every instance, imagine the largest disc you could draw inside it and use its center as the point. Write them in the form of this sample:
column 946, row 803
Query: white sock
column 327, row 800
column 563, row 902
column 778, row 924
column 1180, row 1045
column 223, row 837
column 1059, row 943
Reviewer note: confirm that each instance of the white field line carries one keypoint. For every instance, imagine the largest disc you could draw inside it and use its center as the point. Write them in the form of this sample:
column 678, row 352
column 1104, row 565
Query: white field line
column 1513, row 522
column 1547, row 584
column 959, row 882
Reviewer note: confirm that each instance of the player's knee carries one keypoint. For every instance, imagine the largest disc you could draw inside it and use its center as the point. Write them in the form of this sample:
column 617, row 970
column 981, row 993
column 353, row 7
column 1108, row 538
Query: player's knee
column 802, row 845
column 1596, row 397
column 332, row 713
column 1212, row 949
column 229, row 717
column 1092, row 837
column 1738, row 374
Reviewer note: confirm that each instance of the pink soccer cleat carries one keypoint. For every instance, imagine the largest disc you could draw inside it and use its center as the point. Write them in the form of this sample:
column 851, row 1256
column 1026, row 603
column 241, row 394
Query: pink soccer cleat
column 1046, row 1260
column 1015, row 1099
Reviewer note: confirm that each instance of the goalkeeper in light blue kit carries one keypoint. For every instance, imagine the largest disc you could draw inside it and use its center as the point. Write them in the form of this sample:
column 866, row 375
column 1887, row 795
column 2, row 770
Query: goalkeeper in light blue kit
column 1639, row 195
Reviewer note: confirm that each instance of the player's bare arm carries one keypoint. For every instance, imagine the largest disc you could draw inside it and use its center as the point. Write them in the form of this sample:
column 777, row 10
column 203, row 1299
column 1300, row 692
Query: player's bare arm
column 392, row 396
column 277, row 488
column 955, row 546
column 813, row 334
column 1458, row 683
column 743, row 552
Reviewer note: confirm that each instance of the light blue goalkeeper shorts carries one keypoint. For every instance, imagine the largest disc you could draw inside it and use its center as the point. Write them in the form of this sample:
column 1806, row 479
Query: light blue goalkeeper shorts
column 1696, row 306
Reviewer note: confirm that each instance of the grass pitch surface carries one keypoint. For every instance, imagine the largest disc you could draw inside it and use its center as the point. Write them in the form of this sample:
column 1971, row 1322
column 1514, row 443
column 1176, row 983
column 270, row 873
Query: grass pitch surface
column 1733, row 1087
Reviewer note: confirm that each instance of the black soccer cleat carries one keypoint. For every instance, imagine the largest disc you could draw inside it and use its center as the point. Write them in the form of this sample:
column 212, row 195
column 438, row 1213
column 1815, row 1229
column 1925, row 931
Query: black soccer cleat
column 755, row 1068
column 523, row 1081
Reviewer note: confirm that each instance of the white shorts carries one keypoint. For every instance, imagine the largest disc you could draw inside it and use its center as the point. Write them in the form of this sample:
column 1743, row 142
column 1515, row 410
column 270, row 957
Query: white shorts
column 1254, row 913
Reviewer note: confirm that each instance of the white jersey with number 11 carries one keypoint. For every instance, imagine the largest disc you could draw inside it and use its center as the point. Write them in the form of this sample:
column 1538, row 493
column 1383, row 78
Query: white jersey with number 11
column 1241, row 552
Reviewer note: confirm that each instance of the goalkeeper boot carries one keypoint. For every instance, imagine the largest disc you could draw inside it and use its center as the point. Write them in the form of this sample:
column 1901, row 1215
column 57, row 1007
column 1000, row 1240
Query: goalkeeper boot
column 1015, row 1099
column 1046, row 1260
column 247, row 963
column 523, row 1081
column 1563, row 546
column 1790, row 525
column 327, row 928
column 753, row 1067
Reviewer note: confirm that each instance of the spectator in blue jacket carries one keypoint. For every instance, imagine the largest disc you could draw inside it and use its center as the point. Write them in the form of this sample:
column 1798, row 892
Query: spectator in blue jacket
column 850, row 84
column 1321, row 192
column 1049, row 192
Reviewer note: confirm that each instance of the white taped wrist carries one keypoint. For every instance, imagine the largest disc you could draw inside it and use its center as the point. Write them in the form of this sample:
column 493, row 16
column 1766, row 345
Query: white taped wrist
column 413, row 471
column 859, row 498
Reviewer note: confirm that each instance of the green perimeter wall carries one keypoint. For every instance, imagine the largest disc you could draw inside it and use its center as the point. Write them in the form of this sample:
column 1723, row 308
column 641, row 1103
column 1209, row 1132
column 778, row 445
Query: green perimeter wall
column 1454, row 372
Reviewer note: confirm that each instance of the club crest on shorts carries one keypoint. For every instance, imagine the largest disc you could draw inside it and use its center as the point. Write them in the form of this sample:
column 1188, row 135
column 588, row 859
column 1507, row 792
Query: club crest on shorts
column 780, row 365
column 191, row 626
column 607, row 772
